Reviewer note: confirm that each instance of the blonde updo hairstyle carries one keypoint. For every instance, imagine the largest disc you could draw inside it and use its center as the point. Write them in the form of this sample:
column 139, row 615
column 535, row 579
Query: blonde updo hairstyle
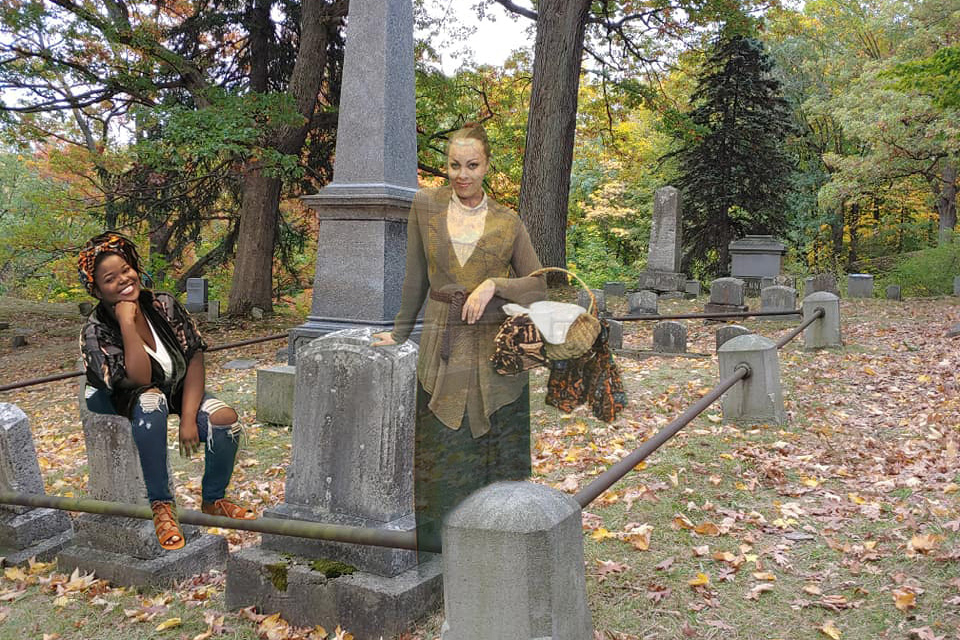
column 472, row 131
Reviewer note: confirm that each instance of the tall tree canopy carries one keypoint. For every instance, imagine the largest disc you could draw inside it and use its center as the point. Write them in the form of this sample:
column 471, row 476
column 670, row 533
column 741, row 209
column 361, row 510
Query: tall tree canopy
column 735, row 171
column 229, row 91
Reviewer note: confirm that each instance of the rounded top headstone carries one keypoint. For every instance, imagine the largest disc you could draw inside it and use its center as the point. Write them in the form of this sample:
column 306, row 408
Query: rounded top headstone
column 518, row 507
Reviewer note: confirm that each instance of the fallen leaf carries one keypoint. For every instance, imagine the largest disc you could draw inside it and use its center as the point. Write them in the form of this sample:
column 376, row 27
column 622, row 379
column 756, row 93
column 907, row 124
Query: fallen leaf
column 707, row 529
column 754, row 593
column 904, row 599
column 701, row 580
column 829, row 629
column 170, row 623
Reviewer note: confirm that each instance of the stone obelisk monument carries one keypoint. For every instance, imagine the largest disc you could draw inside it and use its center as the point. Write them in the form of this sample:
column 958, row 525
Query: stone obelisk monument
column 363, row 212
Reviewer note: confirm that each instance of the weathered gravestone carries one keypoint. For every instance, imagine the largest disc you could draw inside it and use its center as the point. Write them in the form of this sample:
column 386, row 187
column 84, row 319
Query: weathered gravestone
column 275, row 394
column 125, row 551
column 666, row 240
column 692, row 289
column 351, row 464
column 821, row 282
column 779, row 299
column 893, row 292
column 728, row 332
column 670, row 336
column 615, row 337
column 25, row 532
column 754, row 257
column 197, row 293
column 726, row 296
column 213, row 310
column 956, row 285
column 362, row 214
column 583, row 299
column 643, row 303
column 860, row 285
column 614, row 289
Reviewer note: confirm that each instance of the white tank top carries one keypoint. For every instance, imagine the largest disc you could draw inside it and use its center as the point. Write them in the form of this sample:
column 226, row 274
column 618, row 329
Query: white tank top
column 161, row 355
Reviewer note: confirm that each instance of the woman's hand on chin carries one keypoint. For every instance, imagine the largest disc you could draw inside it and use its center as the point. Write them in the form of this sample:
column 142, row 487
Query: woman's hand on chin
column 126, row 311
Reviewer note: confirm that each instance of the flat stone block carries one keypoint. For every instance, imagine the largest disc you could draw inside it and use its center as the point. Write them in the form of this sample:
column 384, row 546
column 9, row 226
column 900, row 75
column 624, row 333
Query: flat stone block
column 32, row 526
column 18, row 342
column 860, row 285
column 275, row 394
column 44, row 551
column 127, row 536
column 954, row 331
column 240, row 364
column 893, row 292
column 381, row 561
column 203, row 554
column 692, row 288
column 368, row 606
column 662, row 281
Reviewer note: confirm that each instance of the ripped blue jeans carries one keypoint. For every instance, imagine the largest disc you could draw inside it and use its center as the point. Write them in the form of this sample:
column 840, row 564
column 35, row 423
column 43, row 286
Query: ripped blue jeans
column 149, row 425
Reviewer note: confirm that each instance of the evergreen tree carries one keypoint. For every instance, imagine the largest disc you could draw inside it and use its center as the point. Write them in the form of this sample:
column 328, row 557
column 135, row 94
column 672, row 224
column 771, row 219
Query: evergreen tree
column 735, row 172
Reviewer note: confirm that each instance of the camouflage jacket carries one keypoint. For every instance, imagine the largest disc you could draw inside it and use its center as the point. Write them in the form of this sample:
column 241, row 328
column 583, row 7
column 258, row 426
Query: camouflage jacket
column 101, row 345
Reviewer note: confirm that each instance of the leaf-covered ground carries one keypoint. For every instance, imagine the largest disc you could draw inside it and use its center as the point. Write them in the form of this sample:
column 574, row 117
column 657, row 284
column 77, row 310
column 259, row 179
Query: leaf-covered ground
column 843, row 523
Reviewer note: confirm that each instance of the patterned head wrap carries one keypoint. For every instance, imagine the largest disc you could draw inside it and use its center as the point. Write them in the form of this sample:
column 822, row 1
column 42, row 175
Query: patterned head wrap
column 109, row 242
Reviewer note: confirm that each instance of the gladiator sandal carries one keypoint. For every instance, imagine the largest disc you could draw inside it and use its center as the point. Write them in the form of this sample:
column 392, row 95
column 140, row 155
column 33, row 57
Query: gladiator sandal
column 167, row 527
column 224, row 507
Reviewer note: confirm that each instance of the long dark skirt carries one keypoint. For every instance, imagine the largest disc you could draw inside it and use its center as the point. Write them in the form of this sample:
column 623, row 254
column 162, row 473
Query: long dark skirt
column 451, row 464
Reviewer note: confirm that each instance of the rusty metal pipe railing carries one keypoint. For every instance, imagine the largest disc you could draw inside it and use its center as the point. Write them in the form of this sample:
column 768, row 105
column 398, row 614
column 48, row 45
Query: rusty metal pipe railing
column 298, row 528
column 617, row 471
column 74, row 374
column 818, row 313
column 705, row 316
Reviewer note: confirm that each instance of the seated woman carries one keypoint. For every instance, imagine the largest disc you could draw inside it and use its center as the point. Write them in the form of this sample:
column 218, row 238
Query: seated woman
column 143, row 357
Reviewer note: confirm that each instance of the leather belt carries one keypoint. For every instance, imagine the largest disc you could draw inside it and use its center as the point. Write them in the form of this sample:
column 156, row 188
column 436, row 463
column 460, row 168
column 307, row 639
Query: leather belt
column 455, row 300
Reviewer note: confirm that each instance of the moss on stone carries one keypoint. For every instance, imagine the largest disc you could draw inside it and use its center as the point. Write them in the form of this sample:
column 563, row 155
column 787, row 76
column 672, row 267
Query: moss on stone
column 332, row 568
column 278, row 575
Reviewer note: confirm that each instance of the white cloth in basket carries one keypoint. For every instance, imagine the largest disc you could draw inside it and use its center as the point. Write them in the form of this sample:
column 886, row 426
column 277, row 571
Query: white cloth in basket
column 553, row 319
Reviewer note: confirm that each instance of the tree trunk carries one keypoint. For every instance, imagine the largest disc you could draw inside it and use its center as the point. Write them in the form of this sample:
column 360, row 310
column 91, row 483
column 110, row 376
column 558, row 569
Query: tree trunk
column 551, row 127
column 853, row 225
column 946, row 192
column 252, row 282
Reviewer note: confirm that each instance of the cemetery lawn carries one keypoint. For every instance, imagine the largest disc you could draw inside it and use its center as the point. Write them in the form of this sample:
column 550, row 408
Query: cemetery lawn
column 842, row 523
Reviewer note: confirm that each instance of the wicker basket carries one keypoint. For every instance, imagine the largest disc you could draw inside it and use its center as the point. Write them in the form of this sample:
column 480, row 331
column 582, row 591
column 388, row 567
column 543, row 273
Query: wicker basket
column 582, row 333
